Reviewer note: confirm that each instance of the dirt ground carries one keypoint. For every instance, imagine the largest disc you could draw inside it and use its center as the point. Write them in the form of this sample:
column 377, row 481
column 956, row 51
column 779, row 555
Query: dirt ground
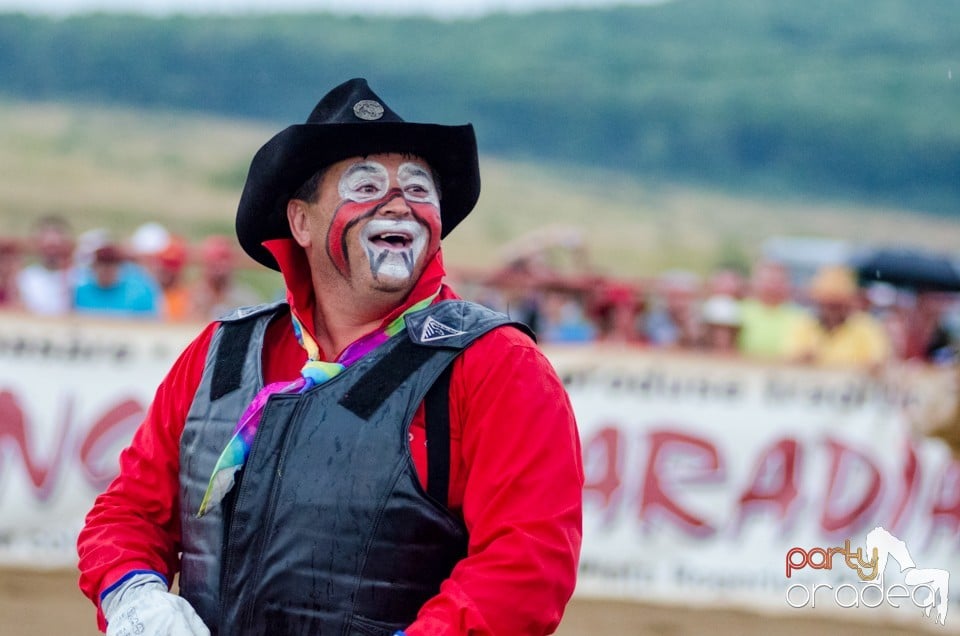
column 49, row 604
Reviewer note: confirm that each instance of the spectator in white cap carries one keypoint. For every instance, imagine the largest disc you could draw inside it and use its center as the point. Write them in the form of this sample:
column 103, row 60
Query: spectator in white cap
column 720, row 315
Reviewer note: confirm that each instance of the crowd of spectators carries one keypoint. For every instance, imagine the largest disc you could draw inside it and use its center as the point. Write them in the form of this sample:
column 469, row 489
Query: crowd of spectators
column 152, row 274
column 831, row 320
column 761, row 313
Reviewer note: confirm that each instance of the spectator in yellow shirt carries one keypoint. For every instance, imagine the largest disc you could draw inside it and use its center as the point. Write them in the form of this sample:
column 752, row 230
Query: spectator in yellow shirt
column 768, row 314
column 841, row 334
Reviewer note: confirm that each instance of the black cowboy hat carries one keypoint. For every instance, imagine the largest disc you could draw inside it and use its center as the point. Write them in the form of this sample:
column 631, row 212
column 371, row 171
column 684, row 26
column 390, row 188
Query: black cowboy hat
column 350, row 121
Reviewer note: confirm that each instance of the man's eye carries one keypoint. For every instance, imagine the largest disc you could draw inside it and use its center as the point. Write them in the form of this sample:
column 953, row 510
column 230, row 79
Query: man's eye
column 368, row 188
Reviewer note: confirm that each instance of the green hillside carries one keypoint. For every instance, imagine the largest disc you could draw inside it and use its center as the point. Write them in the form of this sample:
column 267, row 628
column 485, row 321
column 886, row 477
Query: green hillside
column 118, row 168
column 823, row 98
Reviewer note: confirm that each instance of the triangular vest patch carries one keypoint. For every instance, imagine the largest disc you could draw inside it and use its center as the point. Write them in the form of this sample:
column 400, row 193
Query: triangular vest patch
column 435, row 330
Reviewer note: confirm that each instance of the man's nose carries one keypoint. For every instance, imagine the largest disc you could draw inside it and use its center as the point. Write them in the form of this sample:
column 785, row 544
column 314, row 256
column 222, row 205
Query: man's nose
column 396, row 205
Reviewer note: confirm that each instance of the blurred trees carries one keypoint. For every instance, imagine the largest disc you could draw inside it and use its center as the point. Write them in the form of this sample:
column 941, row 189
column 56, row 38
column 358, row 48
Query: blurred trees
column 824, row 97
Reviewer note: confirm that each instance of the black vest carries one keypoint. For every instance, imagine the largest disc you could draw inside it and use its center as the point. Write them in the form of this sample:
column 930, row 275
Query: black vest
column 328, row 530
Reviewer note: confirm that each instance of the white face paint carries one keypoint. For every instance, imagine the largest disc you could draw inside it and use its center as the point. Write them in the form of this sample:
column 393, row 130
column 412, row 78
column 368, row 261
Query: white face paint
column 393, row 244
column 364, row 181
column 417, row 184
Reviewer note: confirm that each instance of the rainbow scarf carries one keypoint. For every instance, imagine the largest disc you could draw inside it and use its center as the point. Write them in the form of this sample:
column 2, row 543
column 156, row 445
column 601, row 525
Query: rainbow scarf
column 314, row 372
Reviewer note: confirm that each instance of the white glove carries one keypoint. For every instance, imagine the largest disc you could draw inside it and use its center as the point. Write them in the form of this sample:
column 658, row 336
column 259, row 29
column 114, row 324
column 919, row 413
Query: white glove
column 142, row 606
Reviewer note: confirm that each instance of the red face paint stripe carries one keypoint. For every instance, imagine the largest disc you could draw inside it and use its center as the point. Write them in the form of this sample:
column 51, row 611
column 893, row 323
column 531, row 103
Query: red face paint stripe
column 345, row 216
column 350, row 213
column 429, row 215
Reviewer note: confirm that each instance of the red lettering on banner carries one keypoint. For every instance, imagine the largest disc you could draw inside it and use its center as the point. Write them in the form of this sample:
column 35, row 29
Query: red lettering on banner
column 14, row 426
column 115, row 425
column 842, row 463
column 908, row 487
column 945, row 511
column 95, row 453
column 601, row 462
column 666, row 449
column 774, row 483
column 664, row 478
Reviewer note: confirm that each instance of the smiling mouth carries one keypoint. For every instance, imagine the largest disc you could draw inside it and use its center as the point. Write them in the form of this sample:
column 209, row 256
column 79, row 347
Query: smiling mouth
column 396, row 241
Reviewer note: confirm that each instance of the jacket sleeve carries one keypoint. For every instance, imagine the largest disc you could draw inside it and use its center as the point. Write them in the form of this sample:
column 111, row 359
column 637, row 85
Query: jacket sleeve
column 134, row 524
column 522, row 497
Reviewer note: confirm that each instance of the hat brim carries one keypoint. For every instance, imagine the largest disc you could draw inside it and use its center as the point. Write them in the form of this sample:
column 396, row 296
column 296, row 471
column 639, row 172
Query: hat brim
column 293, row 155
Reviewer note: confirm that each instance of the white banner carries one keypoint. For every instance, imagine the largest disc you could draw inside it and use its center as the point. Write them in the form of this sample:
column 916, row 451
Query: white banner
column 702, row 473
column 72, row 391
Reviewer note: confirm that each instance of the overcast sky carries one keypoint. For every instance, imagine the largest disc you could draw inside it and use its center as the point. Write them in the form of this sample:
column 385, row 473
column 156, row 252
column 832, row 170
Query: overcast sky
column 443, row 8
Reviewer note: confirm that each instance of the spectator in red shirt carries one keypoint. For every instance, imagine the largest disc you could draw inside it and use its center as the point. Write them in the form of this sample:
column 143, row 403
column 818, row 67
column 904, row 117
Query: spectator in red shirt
column 11, row 252
column 372, row 456
column 617, row 308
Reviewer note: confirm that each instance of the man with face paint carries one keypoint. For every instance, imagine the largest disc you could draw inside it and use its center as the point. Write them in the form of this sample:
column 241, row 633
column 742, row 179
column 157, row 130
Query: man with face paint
column 376, row 227
column 372, row 456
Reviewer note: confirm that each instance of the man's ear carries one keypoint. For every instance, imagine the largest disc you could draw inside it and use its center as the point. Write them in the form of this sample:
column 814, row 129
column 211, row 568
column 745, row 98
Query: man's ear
column 299, row 221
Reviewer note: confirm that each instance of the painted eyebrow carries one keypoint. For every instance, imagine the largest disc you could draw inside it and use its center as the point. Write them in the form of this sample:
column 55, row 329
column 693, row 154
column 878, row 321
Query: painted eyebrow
column 370, row 168
column 413, row 170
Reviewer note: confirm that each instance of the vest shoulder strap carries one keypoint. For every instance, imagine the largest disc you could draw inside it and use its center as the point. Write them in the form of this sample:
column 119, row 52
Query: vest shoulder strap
column 443, row 329
column 437, row 411
column 454, row 324
column 237, row 329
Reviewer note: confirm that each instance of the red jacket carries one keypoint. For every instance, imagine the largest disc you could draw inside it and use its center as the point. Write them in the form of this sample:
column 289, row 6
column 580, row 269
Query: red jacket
column 516, row 476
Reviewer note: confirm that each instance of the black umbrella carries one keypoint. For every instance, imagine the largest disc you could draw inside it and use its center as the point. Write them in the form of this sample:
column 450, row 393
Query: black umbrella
column 915, row 269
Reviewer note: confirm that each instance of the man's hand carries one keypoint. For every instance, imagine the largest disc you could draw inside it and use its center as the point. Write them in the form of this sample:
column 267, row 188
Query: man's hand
column 142, row 606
